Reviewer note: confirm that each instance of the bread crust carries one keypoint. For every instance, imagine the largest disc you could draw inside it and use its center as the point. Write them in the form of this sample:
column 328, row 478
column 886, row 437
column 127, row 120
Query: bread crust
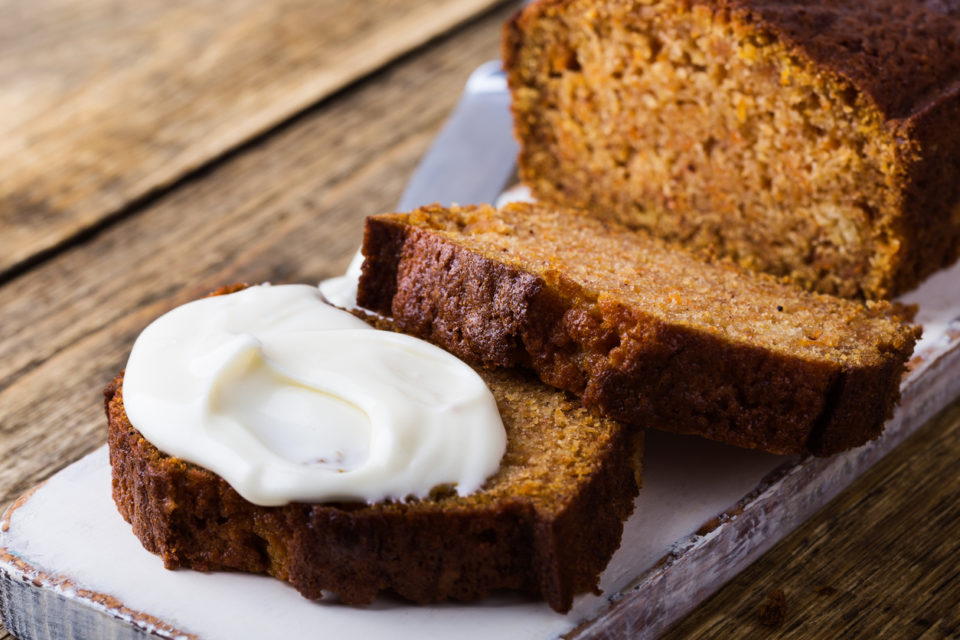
column 626, row 360
column 904, row 55
column 541, row 537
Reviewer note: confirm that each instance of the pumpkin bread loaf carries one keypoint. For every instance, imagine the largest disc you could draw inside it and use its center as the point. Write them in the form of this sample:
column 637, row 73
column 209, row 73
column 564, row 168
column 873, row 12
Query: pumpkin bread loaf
column 641, row 329
column 534, row 526
column 816, row 140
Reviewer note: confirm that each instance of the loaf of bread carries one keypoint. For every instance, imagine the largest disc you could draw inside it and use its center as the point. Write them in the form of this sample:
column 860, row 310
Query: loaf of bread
column 534, row 526
column 815, row 140
column 643, row 330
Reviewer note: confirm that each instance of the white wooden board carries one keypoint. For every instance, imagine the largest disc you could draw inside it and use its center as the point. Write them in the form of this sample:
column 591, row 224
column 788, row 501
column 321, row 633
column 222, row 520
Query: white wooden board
column 71, row 568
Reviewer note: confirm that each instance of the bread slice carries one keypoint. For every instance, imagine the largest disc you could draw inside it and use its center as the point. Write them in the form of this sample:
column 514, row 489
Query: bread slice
column 535, row 526
column 815, row 140
column 642, row 330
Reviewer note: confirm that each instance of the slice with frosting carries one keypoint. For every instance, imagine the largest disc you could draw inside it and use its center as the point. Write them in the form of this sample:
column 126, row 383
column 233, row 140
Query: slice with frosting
column 288, row 398
column 531, row 525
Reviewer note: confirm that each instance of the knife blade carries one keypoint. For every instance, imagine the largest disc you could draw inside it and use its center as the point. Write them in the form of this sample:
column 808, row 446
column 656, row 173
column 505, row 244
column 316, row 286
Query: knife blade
column 475, row 154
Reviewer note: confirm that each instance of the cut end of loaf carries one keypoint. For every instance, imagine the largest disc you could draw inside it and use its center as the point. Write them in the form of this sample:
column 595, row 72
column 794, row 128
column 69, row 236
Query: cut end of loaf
column 735, row 127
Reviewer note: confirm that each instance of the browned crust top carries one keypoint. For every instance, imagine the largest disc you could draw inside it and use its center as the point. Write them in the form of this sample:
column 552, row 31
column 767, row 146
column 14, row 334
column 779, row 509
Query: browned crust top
column 903, row 55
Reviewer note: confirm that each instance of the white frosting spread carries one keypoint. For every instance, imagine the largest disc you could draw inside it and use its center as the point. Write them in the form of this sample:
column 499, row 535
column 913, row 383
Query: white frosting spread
column 342, row 290
column 290, row 399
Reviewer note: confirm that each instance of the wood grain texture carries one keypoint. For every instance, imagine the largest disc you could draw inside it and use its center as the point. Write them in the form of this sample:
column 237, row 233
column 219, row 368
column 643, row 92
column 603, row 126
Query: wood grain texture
column 106, row 101
column 880, row 561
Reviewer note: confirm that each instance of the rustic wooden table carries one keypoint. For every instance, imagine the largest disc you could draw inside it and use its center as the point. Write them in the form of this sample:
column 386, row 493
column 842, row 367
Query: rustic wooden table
column 153, row 151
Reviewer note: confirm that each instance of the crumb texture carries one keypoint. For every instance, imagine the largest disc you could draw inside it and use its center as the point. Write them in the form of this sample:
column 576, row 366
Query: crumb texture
column 646, row 332
column 814, row 140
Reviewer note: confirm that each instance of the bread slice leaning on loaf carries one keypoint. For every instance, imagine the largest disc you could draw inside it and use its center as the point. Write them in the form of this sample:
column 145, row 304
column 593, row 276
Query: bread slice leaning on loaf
column 644, row 331
column 534, row 526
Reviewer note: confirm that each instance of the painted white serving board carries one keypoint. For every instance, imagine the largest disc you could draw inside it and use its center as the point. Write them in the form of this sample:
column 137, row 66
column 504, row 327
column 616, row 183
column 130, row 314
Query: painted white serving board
column 71, row 568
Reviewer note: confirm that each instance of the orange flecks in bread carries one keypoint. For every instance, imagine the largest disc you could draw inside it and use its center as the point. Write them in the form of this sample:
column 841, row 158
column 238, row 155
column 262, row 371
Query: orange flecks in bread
column 812, row 140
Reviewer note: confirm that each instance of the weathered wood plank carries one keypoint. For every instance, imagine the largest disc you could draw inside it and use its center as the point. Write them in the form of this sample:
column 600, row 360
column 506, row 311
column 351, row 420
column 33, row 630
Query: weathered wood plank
column 106, row 101
column 880, row 561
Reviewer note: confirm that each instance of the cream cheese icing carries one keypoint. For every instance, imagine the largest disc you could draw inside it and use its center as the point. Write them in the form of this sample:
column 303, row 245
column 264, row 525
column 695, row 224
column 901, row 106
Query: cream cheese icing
column 290, row 399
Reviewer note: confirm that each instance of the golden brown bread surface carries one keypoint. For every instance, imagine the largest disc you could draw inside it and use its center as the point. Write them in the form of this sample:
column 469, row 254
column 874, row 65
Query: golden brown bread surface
column 533, row 527
column 642, row 330
column 816, row 140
